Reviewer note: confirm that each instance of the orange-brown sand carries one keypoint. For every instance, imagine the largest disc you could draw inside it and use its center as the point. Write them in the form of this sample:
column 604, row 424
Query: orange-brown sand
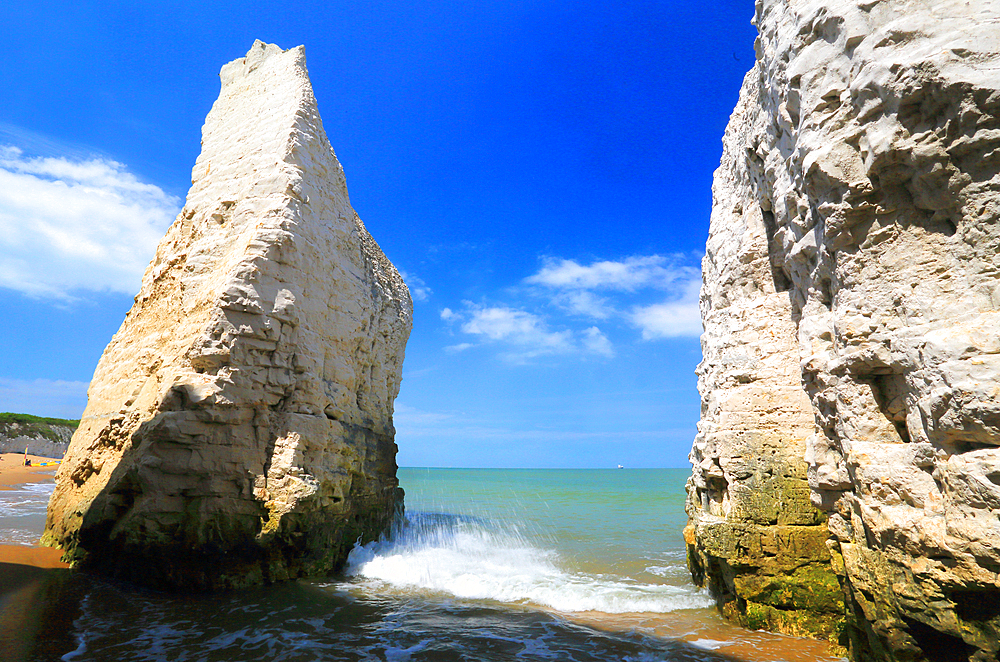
column 25, row 572
column 20, row 564
column 718, row 636
column 13, row 471
column 26, row 577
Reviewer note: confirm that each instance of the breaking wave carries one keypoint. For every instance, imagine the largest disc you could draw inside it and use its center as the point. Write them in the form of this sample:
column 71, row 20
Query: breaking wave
column 477, row 559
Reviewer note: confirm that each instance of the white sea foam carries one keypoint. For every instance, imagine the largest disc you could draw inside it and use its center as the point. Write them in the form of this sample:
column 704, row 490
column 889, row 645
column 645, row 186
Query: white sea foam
column 11, row 536
column 472, row 559
column 709, row 644
column 26, row 499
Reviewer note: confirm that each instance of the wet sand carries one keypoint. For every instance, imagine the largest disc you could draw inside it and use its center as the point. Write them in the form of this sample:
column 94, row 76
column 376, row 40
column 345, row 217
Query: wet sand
column 27, row 574
column 711, row 633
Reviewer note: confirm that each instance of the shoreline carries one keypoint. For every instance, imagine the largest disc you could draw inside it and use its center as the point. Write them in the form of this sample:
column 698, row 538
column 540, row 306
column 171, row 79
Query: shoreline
column 13, row 472
column 23, row 564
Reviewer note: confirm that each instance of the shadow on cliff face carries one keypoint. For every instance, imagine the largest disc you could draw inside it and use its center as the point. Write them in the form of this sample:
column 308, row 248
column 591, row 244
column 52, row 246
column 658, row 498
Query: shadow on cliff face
column 211, row 530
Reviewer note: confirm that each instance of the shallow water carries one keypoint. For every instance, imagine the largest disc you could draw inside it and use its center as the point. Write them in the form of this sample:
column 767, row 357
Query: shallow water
column 570, row 541
column 488, row 565
column 22, row 512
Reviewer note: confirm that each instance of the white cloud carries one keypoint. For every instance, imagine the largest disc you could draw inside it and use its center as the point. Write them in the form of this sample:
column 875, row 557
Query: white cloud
column 524, row 335
column 43, row 397
column 671, row 319
column 460, row 347
column 412, row 417
column 586, row 303
column 571, row 285
column 596, row 342
column 418, row 288
column 517, row 327
column 68, row 226
column 630, row 274
column 668, row 320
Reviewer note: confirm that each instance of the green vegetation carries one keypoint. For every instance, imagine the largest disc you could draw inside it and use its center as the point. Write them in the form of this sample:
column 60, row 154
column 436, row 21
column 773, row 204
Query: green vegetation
column 14, row 425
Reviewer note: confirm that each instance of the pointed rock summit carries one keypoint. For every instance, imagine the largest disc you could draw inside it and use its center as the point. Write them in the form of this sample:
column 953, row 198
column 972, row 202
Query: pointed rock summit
column 239, row 428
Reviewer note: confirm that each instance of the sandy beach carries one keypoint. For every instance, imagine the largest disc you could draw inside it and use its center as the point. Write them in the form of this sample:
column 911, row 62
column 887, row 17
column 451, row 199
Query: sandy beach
column 20, row 563
column 13, row 471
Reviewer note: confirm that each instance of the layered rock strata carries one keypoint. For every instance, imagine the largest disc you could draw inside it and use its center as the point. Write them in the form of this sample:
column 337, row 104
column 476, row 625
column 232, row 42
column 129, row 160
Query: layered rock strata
column 239, row 427
column 851, row 302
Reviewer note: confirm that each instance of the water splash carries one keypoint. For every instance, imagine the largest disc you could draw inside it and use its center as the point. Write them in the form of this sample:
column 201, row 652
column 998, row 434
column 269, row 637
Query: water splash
column 478, row 559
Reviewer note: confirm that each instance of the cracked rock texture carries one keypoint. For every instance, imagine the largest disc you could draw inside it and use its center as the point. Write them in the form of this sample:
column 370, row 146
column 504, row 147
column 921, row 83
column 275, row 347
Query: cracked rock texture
column 849, row 447
column 239, row 428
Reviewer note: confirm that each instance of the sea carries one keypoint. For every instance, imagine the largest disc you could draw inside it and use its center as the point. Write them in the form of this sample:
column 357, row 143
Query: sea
column 488, row 564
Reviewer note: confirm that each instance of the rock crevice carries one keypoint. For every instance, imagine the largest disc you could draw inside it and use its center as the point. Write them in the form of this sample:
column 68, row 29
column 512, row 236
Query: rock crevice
column 852, row 333
column 239, row 424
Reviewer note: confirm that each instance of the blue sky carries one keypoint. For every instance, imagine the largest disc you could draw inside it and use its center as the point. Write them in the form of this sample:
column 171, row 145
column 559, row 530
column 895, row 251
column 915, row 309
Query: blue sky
column 539, row 171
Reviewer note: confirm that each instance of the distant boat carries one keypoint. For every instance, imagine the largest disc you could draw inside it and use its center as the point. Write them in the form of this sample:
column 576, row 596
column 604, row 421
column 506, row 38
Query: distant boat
column 620, row 466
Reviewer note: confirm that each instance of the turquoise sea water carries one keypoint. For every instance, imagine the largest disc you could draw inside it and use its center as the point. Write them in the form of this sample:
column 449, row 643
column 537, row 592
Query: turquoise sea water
column 571, row 540
column 487, row 565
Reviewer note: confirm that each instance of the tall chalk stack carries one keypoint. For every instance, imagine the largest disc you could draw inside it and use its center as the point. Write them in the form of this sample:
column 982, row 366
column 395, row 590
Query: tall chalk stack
column 239, row 425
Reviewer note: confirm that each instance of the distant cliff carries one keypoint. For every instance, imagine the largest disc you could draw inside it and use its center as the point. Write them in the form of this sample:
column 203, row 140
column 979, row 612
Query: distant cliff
column 238, row 427
column 846, row 474
column 48, row 437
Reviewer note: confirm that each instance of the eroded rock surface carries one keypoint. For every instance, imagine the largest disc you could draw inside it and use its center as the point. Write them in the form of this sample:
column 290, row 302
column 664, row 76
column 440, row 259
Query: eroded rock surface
column 852, row 329
column 239, row 425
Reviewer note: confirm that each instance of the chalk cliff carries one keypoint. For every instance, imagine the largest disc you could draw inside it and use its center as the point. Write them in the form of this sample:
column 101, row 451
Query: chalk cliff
column 239, row 424
column 851, row 303
column 48, row 437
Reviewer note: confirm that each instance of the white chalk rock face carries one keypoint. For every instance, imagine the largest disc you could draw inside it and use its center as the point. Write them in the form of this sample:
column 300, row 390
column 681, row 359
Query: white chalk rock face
column 239, row 427
column 856, row 236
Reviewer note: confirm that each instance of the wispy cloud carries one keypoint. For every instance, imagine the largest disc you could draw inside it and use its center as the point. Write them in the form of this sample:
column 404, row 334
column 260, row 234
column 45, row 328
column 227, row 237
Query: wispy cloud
column 521, row 334
column 523, row 330
column 418, row 288
column 72, row 225
column 629, row 274
column 460, row 347
column 595, row 342
column 572, row 287
column 585, row 304
column 670, row 319
column 657, row 294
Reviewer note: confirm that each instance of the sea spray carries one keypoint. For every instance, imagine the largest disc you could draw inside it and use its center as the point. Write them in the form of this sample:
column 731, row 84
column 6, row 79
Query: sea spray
column 482, row 559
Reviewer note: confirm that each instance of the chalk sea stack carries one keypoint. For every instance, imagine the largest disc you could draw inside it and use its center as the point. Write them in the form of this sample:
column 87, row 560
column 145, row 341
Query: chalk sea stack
column 238, row 428
column 846, row 477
